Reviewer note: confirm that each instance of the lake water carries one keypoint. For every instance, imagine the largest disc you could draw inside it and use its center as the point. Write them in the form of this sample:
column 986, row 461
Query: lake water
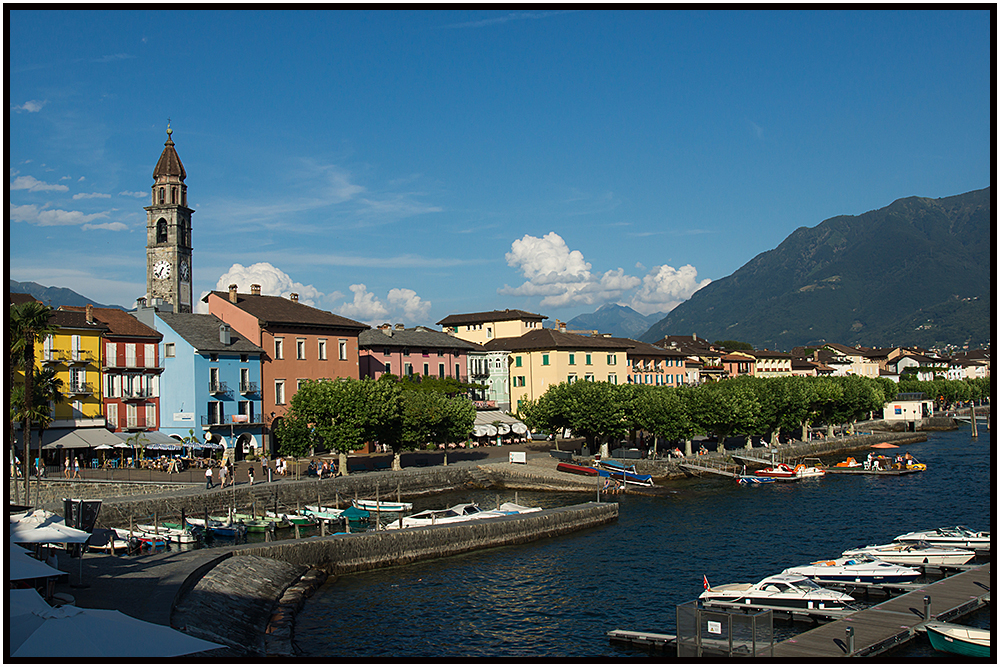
column 559, row 597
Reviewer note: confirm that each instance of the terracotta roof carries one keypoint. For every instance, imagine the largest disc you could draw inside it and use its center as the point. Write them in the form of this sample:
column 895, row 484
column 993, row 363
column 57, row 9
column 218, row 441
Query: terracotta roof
column 552, row 339
column 768, row 354
column 169, row 163
column 413, row 338
column 277, row 310
column 69, row 319
column 16, row 298
column 491, row 316
column 202, row 332
column 640, row 349
column 119, row 322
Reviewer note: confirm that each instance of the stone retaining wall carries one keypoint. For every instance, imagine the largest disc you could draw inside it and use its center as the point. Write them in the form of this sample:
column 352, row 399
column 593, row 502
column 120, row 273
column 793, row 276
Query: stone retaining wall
column 343, row 554
column 49, row 493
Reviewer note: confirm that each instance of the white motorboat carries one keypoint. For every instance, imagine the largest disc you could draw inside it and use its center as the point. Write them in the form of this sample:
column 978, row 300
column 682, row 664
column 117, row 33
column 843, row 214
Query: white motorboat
column 955, row 536
column 781, row 592
column 514, row 508
column 455, row 514
column 856, row 569
column 915, row 553
column 220, row 526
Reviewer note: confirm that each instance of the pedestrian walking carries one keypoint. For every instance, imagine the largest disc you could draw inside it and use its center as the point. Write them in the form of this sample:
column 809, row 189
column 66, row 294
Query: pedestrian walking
column 66, row 467
column 222, row 475
column 208, row 477
column 76, row 467
column 250, row 473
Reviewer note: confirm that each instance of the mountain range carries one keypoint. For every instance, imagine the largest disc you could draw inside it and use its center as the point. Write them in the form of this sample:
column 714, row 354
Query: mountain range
column 614, row 319
column 55, row 296
column 918, row 271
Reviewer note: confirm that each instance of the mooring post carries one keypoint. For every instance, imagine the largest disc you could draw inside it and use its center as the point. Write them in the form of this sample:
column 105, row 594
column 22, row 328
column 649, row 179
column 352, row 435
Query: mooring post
column 927, row 607
column 850, row 640
column 972, row 413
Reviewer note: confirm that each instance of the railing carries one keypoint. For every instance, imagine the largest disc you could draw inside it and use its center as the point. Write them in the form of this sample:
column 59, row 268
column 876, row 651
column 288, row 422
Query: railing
column 249, row 388
column 235, row 420
column 80, row 388
column 138, row 423
column 54, row 356
column 218, row 387
column 81, row 356
column 137, row 394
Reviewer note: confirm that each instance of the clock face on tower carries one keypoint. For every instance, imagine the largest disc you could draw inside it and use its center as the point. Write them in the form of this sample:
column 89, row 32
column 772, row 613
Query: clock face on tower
column 185, row 271
column 161, row 270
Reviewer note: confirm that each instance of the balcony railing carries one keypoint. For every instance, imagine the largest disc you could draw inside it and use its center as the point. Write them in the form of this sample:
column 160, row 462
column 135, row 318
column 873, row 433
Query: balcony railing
column 79, row 388
column 218, row 387
column 249, row 388
column 236, row 420
column 80, row 356
column 137, row 394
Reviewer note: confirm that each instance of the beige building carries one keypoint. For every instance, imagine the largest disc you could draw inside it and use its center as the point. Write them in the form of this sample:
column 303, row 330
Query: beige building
column 544, row 357
column 480, row 328
column 850, row 361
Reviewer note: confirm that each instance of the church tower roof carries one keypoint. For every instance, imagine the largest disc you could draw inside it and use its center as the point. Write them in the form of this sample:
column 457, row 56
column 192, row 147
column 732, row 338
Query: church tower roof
column 169, row 163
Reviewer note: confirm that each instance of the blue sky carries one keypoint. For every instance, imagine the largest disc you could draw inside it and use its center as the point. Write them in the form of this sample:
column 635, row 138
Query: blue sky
column 402, row 166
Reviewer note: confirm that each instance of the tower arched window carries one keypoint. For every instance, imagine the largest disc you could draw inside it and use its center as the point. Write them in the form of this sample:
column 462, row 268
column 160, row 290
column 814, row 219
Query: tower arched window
column 173, row 195
column 161, row 231
column 163, row 195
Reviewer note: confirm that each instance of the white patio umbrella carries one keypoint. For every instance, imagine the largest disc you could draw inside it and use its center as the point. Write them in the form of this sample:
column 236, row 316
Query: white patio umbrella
column 25, row 601
column 23, row 566
column 41, row 526
column 68, row 632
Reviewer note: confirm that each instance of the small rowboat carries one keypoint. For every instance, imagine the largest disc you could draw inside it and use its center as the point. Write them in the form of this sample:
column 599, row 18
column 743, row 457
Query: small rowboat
column 294, row 519
column 382, row 506
column 177, row 535
column 960, row 639
column 322, row 512
column 577, row 469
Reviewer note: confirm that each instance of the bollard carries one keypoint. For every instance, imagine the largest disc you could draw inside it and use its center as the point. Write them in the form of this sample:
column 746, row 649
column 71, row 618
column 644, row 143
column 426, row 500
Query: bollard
column 927, row 607
column 850, row 640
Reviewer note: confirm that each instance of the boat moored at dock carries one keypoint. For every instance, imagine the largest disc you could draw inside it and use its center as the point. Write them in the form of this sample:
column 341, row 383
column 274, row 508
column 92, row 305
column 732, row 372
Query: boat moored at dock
column 856, row 569
column 785, row 592
column 915, row 553
column 955, row 536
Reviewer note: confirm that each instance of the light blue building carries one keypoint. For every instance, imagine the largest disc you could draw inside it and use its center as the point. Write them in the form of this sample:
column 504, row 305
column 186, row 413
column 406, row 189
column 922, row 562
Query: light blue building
column 210, row 382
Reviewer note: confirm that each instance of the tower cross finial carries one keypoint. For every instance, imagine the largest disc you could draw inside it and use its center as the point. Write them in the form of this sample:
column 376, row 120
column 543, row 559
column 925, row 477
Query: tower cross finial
column 169, row 131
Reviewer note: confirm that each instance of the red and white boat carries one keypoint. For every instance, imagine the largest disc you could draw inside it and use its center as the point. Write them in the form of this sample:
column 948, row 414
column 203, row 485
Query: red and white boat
column 785, row 471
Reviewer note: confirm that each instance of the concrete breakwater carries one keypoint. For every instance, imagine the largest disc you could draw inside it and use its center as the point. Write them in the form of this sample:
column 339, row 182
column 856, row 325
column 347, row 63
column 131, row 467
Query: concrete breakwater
column 248, row 600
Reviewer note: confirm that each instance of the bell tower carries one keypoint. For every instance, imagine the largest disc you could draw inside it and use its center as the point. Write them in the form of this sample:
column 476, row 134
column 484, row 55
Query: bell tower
column 168, row 233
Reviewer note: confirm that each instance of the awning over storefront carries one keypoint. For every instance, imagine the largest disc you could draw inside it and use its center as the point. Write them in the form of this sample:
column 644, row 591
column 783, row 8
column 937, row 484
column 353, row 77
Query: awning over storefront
column 73, row 438
column 159, row 438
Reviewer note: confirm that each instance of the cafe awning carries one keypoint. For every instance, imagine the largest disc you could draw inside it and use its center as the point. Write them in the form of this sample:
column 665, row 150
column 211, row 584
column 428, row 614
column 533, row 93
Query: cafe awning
column 74, row 438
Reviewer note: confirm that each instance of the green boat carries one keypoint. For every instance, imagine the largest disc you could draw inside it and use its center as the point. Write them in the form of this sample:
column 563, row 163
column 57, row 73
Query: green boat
column 960, row 639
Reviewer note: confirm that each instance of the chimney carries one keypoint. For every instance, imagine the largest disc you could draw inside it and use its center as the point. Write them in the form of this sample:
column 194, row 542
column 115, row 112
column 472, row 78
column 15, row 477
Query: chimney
column 255, row 290
column 399, row 327
column 294, row 297
column 386, row 329
column 90, row 313
column 561, row 326
column 232, row 293
column 141, row 302
column 224, row 334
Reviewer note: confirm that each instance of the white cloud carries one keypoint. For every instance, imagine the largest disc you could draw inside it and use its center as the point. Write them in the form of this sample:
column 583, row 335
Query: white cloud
column 665, row 287
column 110, row 226
column 31, row 184
column 81, row 179
column 31, row 106
column 272, row 280
column 560, row 275
column 137, row 195
column 400, row 305
column 91, row 195
column 414, row 308
column 51, row 217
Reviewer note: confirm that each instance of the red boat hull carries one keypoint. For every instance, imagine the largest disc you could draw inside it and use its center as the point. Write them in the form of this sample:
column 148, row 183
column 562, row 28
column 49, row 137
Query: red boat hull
column 577, row 470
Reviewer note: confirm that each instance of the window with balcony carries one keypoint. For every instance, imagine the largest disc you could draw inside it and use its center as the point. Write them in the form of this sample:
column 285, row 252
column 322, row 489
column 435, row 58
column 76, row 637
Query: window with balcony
column 216, row 414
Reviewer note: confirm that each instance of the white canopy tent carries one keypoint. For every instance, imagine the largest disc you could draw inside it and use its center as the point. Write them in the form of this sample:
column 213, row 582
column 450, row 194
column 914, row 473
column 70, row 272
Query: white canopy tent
column 43, row 527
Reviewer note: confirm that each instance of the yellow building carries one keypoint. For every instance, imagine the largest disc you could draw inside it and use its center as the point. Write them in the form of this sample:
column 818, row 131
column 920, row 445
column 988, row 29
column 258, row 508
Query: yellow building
column 74, row 351
column 481, row 328
column 545, row 357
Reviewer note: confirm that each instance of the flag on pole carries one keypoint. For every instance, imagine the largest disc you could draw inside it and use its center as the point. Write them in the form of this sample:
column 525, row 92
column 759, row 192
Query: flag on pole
column 707, row 587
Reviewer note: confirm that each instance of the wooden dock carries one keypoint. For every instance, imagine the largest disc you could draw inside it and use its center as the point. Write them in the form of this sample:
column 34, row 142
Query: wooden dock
column 895, row 621
column 715, row 471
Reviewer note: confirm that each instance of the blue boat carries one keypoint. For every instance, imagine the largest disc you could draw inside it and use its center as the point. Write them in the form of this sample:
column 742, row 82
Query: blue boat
column 615, row 470
column 755, row 479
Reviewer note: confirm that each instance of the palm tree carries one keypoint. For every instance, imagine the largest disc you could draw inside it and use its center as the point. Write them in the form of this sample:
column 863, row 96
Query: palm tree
column 28, row 325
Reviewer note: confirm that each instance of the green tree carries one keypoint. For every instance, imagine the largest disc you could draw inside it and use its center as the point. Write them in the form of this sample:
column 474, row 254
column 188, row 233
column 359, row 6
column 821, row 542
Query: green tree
column 28, row 325
column 664, row 412
column 295, row 437
column 732, row 345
